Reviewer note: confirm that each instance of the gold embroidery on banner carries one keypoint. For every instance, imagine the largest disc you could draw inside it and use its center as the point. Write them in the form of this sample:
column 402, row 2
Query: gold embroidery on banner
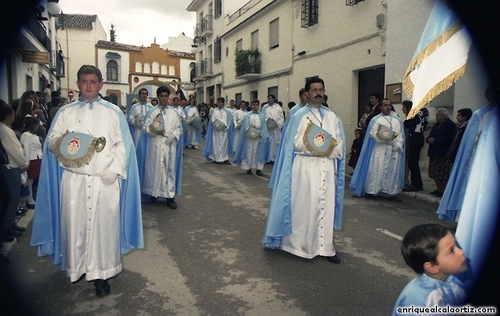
column 314, row 151
column 97, row 144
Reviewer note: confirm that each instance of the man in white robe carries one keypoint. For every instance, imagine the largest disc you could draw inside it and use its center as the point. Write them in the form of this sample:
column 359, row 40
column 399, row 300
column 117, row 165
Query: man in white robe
column 220, row 135
column 81, row 217
column 162, row 169
column 272, row 111
column 238, row 117
column 252, row 151
column 307, row 200
column 194, row 134
column 380, row 168
column 135, row 116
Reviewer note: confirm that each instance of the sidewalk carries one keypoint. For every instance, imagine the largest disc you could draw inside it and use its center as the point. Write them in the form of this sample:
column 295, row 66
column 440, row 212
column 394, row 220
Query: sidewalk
column 424, row 195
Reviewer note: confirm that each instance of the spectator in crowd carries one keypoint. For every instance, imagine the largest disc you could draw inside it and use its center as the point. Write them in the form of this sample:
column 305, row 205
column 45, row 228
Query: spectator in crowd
column 11, row 170
column 416, row 126
column 463, row 117
column 439, row 140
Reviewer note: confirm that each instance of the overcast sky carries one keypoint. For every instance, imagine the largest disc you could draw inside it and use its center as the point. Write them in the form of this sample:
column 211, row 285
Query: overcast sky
column 137, row 22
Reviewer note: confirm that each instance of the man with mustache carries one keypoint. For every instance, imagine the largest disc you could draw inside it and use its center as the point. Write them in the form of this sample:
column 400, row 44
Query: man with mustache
column 307, row 200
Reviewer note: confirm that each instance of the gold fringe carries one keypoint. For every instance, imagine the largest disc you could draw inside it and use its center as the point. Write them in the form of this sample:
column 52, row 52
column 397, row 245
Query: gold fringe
column 311, row 149
column 73, row 163
column 427, row 51
column 441, row 86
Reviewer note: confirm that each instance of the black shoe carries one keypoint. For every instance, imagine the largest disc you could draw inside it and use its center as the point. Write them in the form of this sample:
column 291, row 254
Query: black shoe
column 102, row 287
column 259, row 173
column 249, row 171
column 396, row 198
column 436, row 193
column 171, row 204
column 194, row 147
column 6, row 238
column 369, row 196
column 412, row 188
column 335, row 259
column 12, row 232
column 227, row 162
column 21, row 212
column 153, row 199
column 30, row 206
column 17, row 228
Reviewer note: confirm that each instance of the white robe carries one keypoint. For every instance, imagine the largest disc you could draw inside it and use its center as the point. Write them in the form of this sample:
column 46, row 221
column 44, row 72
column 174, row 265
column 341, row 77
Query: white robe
column 250, row 162
column 382, row 176
column 274, row 112
column 90, row 209
column 238, row 117
column 313, row 193
column 136, row 110
column 191, row 134
column 160, row 170
column 220, row 138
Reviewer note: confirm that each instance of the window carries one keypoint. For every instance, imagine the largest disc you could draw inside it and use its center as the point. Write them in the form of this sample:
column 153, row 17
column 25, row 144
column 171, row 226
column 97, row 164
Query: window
column 274, row 35
column 217, row 50
column 239, row 45
column 237, row 98
column 309, row 12
column 273, row 91
column 255, row 39
column 218, row 8
column 112, row 70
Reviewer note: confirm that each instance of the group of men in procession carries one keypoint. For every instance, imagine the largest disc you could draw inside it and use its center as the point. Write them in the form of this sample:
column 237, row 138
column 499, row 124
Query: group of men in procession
column 95, row 176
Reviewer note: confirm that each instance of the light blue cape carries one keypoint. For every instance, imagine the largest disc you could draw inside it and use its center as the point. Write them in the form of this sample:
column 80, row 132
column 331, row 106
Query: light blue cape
column 279, row 218
column 142, row 147
column 262, row 148
column 357, row 184
column 46, row 233
column 209, row 138
column 453, row 196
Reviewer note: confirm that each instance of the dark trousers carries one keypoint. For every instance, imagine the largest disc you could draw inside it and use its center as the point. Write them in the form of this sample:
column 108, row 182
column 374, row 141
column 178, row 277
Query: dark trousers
column 13, row 177
column 416, row 143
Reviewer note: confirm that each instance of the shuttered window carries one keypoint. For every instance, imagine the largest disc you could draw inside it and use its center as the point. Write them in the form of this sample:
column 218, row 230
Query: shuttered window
column 274, row 33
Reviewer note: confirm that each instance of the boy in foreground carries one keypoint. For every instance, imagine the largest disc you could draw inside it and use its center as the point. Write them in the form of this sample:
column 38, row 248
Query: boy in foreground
column 430, row 250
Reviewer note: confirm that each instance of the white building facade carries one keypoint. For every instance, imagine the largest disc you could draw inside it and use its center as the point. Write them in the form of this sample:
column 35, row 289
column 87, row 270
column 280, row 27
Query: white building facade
column 357, row 47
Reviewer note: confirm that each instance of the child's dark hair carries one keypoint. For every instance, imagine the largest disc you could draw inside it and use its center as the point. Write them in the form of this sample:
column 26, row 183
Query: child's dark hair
column 29, row 124
column 360, row 131
column 420, row 245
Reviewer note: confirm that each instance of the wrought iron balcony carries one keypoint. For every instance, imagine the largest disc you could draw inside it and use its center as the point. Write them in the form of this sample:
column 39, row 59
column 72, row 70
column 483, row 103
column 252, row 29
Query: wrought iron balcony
column 38, row 30
column 207, row 25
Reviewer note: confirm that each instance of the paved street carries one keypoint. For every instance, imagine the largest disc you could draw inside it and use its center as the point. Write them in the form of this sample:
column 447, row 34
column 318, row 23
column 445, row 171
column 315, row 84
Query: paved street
column 206, row 258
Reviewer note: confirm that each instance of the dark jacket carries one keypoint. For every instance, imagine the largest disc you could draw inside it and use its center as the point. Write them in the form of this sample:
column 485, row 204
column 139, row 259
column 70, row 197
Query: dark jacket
column 443, row 135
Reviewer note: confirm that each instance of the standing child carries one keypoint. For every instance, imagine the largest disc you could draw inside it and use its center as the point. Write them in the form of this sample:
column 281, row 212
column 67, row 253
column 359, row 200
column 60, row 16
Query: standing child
column 356, row 147
column 32, row 148
column 430, row 250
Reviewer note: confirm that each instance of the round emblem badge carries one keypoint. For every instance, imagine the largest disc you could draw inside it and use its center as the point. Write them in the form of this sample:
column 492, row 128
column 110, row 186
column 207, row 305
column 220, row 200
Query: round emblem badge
column 319, row 139
column 157, row 123
column 73, row 145
column 386, row 133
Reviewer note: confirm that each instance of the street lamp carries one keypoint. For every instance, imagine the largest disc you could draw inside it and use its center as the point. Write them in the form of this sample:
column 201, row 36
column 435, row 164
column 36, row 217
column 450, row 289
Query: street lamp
column 53, row 7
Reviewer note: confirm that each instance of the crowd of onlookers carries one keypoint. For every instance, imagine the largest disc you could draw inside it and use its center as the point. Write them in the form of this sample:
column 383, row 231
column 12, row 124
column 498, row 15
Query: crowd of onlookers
column 27, row 119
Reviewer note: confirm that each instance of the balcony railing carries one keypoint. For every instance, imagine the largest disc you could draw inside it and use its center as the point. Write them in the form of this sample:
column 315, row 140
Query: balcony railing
column 38, row 30
column 207, row 25
column 57, row 63
column 206, row 67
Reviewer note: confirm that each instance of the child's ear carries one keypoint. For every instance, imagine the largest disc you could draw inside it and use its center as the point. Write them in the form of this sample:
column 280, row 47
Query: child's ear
column 431, row 268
